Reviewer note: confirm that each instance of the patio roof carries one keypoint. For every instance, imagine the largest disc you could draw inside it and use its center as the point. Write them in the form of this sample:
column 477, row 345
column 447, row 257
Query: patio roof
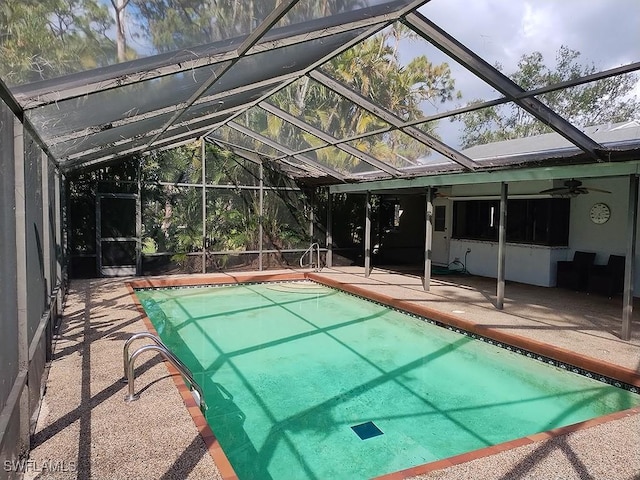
column 247, row 87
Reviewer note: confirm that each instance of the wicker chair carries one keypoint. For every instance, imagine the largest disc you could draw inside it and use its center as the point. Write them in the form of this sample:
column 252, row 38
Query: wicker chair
column 574, row 274
column 607, row 279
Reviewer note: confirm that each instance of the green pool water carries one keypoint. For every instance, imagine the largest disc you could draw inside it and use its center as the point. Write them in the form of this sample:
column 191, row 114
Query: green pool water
column 288, row 369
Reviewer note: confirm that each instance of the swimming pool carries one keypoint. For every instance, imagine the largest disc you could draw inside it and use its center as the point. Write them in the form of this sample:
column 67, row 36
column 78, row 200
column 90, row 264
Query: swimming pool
column 289, row 369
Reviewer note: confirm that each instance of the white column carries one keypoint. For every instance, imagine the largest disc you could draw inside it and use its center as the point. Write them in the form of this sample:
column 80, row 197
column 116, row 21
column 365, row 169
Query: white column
column 203, row 146
column 260, row 219
column 329, row 257
column 367, row 236
column 630, row 258
column 502, row 236
column 428, row 240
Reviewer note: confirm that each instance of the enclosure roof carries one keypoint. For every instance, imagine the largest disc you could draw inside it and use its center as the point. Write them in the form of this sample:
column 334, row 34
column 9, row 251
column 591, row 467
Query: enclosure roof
column 331, row 91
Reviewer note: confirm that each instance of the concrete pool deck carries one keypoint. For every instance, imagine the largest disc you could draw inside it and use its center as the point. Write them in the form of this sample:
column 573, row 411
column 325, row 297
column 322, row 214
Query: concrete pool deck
column 85, row 424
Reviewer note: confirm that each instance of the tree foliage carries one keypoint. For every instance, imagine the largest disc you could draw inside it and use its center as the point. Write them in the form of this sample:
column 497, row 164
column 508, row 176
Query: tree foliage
column 175, row 24
column 41, row 39
column 594, row 103
column 373, row 68
column 173, row 213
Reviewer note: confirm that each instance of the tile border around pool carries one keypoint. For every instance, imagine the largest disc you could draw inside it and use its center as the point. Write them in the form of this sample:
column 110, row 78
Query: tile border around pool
column 560, row 355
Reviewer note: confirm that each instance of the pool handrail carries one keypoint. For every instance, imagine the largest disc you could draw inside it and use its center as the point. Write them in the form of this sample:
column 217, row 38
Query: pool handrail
column 127, row 344
column 161, row 348
column 317, row 266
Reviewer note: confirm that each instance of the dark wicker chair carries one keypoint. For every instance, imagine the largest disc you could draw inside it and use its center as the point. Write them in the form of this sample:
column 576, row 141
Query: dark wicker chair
column 573, row 274
column 607, row 279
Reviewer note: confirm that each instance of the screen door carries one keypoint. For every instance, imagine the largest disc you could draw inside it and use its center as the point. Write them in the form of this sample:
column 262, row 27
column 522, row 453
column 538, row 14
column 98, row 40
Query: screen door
column 118, row 234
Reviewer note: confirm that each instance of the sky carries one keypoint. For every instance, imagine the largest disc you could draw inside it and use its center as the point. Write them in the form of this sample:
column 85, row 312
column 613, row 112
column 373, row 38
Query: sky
column 605, row 32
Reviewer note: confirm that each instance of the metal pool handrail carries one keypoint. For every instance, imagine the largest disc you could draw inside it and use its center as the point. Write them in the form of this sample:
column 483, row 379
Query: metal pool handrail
column 127, row 344
column 315, row 245
column 129, row 367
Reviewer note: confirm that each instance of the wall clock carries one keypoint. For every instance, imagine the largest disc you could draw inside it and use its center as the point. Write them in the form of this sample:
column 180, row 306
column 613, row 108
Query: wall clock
column 600, row 213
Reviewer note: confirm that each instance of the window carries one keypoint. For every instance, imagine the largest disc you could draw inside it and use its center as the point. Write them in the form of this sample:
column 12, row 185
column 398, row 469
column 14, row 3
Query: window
column 440, row 218
column 543, row 221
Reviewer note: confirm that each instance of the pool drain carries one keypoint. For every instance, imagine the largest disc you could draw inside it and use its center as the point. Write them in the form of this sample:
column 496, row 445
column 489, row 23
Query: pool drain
column 367, row 430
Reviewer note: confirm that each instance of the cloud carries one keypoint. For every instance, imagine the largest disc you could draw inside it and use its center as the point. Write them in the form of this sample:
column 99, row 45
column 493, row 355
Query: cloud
column 606, row 32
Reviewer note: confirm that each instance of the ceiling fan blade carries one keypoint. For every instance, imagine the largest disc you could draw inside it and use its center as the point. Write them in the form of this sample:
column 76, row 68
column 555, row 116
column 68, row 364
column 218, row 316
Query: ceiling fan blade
column 591, row 189
column 580, row 190
column 555, row 190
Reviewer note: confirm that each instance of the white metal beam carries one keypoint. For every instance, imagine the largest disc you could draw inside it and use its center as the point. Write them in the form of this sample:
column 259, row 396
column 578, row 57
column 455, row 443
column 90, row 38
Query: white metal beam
column 593, row 170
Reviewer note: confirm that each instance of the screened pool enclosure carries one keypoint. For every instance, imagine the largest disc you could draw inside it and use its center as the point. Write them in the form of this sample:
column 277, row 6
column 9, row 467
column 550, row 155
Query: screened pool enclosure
column 163, row 136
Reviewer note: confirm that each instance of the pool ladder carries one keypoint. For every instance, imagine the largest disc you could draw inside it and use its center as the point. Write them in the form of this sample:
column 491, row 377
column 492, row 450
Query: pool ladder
column 316, row 266
column 161, row 348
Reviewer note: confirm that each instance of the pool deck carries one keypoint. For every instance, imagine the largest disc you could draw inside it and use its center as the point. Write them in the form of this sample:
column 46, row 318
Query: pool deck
column 85, row 422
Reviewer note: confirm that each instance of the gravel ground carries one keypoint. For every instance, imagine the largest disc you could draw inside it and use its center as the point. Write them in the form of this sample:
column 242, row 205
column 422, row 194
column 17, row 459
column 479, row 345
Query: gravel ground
column 86, row 427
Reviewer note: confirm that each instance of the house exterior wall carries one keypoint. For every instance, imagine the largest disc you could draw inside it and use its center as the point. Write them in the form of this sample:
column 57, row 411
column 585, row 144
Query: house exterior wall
column 535, row 264
column 532, row 264
column 610, row 237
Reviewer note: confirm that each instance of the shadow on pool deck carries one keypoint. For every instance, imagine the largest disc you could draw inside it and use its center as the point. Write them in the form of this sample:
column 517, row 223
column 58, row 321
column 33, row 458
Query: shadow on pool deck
column 85, row 423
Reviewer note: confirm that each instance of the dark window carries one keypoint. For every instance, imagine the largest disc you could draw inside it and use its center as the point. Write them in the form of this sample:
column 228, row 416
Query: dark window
column 440, row 218
column 543, row 221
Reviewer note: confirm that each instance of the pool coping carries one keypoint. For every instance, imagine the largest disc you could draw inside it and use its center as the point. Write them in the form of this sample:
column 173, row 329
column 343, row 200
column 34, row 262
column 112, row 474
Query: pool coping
column 558, row 354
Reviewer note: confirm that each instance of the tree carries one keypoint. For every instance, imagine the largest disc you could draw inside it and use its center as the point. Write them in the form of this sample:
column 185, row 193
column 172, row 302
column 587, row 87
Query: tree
column 373, row 68
column 593, row 103
column 121, row 39
column 42, row 39
column 174, row 24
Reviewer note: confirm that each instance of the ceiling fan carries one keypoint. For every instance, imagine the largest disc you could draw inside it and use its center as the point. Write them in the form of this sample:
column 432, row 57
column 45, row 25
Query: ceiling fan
column 572, row 188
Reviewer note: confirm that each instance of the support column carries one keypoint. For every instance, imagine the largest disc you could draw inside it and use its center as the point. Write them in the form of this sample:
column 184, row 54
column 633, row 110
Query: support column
column 367, row 236
column 260, row 218
column 98, row 233
column 203, row 157
column 502, row 236
column 428, row 240
column 329, row 256
column 65, row 260
column 630, row 258
column 46, row 229
column 312, row 201
column 59, row 247
column 21, row 277
column 139, row 221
